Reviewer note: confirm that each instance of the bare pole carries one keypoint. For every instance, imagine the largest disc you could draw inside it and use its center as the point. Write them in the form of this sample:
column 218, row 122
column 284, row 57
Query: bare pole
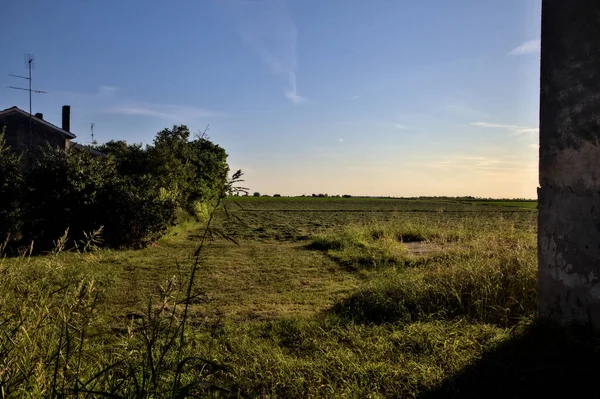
column 30, row 134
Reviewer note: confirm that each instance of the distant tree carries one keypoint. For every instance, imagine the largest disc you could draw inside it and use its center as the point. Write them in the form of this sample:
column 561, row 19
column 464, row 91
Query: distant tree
column 256, row 194
column 276, row 195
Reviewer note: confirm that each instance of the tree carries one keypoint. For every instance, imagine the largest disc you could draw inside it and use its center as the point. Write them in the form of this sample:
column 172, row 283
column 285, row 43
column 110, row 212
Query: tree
column 193, row 171
column 210, row 169
column 130, row 159
column 187, row 171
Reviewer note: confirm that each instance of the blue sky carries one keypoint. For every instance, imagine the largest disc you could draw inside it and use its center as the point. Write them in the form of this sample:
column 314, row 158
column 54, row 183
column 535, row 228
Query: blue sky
column 401, row 97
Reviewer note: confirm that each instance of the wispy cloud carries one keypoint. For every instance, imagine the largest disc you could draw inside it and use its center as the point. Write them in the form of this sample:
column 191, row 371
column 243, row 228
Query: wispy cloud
column 529, row 47
column 292, row 93
column 400, row 126
column 340, row 140
column 101, row 93
column 168, row 112
column 108, row 99
column 482, row 164
column 105, row 90
column 459, row 109
column 514, row 129
column 354, row 97
column 269, row 30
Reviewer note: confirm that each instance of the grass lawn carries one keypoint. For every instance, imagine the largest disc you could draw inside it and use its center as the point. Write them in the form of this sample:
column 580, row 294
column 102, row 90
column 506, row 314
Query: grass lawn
column 320, row 297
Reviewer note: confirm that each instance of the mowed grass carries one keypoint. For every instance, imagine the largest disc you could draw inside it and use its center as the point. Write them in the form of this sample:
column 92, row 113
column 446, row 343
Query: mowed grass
column 328, row 297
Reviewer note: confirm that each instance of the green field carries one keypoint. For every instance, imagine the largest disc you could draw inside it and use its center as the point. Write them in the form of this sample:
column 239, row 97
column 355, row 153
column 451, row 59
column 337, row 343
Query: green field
column 303, row 297
column 517, row 204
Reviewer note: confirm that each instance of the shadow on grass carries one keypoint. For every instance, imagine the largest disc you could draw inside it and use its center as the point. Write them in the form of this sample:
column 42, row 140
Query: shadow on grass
column 542, row 361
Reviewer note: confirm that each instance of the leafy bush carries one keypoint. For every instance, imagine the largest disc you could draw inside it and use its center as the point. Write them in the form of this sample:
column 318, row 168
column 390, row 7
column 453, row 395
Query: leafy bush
column 10, row 189
column 134, row 214
column 130, row 193
column 62, row 192
column 76, row 191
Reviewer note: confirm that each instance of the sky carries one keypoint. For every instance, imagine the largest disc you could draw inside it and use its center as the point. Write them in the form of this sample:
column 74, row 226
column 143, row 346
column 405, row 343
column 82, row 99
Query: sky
column 379, row 97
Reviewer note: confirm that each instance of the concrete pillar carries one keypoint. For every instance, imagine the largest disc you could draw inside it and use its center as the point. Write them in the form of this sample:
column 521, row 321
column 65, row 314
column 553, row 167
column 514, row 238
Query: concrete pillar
column 569, row 193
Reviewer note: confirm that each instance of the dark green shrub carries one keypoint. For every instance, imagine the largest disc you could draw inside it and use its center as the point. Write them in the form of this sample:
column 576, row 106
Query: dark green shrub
column 62, row 191
column 80, row 192
column 10, row 190
column 134, row 214
column 134, row 193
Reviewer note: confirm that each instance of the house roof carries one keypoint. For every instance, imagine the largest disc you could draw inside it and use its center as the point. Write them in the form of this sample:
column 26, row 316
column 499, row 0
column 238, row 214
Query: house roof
column 88, row 149
column 25, row 113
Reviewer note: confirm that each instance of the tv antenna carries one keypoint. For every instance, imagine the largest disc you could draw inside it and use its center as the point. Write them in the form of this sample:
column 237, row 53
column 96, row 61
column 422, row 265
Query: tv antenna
column 92, row 129
column 29, row 61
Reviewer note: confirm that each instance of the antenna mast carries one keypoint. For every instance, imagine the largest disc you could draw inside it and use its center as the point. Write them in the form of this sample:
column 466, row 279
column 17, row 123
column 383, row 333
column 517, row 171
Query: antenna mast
column 92, row 129
column 29, row 60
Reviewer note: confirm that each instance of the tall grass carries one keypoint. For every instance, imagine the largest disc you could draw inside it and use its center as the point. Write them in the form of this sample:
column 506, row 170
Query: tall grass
column 485, row 272
column 418, row 319
column 500, row 289
column 325, row 358
column 54, row 340
column 380, row 244
column 48, row 318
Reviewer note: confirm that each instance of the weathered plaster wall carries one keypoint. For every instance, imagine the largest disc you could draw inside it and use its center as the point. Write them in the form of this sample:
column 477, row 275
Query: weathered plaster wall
column 569, row 193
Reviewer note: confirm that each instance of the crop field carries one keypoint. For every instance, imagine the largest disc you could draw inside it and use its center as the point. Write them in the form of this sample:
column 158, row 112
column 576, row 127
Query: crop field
column 309, row 297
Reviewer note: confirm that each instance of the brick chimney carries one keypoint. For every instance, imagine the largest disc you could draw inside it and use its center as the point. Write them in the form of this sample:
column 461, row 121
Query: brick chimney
column 39, row 115
column 66, row 118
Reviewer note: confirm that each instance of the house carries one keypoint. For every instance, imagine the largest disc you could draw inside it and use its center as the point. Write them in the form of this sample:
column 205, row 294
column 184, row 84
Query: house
column 89, row 149
column 22, row 137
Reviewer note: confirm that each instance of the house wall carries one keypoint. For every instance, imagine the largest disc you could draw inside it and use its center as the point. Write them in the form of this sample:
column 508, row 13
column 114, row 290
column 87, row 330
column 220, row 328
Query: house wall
column 17, row 134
